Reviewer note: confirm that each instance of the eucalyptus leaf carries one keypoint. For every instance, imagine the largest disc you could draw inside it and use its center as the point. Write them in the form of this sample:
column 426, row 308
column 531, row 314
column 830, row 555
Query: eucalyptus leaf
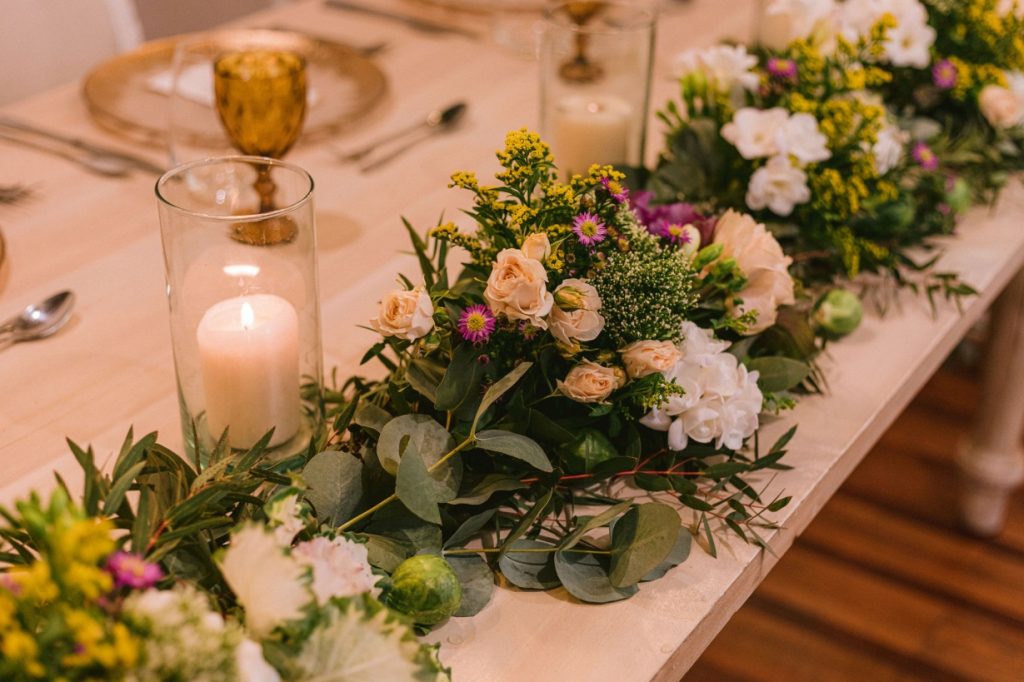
column 641, row 540
column 593, row 522
column 530, row 570
column 498, row 389
column 461, row 378
column 585, row 577
column 680, row 552
column 488, row 486
column 590, row 449
column 371, row 416
column 777, row 373
column 397, row 522
column 424, row 376
column 514, row 445
column 528, row 520
column 477, row 581
column 430, row 439
column 386, row 553
column 335, row 485
column 416, row 489
column 469, row 528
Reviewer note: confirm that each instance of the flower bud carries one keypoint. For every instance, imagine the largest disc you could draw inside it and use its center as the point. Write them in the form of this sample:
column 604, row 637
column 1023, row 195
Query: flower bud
column 425, row 588
column 959, row 196
column 838, row 313
column 569, row 299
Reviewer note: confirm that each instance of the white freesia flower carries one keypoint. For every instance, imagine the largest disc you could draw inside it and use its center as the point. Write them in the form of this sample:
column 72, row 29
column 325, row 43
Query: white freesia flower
column 339, row 567
column 785, row 21
column 406, row 314
column 889, row 148
column 643, row 358
column 909, row 44
column 269, row 584
column 574, row 316
column 724, row 66
column 252, row 667
column 801, row 137
column 721, row 401
column 517, row 288
column 760, row 258
column 778, row 185
column 755, row 132
column 1001, row 107
column 589, row 382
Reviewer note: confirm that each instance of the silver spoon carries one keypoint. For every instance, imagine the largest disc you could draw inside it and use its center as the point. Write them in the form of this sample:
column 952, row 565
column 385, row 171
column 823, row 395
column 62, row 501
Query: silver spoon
column 438, row 120
column 38, row 321
column 102, row 164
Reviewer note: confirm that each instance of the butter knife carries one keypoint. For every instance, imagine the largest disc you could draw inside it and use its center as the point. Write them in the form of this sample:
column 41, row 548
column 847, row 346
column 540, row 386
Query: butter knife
column 130, row 159
column 415, row 23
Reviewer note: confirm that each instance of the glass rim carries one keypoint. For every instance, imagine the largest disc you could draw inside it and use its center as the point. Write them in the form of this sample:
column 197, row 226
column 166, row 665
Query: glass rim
column 178, row 171
column 645, row 18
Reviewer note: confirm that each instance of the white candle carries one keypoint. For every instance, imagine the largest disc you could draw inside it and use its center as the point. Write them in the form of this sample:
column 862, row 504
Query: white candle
column 590, row 129
column 249, row 356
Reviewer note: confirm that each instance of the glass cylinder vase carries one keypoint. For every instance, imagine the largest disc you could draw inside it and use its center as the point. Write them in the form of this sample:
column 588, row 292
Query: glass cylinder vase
column 244, row 303
column 596, row 60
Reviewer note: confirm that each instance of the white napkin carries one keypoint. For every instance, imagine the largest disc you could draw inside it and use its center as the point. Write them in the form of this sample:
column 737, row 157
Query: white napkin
column 195, row 83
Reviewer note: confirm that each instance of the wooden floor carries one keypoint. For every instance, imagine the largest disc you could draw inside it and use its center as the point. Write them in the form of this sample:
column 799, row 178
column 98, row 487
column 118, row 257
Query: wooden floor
column 883, row 586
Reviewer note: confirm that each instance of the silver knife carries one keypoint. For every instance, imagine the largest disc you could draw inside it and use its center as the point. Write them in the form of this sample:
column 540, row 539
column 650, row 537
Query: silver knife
column 135, row 161
column 412, row 22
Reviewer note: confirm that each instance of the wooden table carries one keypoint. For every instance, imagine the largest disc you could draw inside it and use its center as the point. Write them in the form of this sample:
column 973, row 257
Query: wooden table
column 112, row 366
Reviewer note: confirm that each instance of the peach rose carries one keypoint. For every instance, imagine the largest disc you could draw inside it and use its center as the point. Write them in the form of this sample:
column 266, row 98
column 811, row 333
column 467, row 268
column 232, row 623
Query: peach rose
column 1000, row 106
column 537, row 246
column 517, row 288
column 649, row 357
column 760, row 258
column 404, row 313
column 589, row 382
column 574, row 316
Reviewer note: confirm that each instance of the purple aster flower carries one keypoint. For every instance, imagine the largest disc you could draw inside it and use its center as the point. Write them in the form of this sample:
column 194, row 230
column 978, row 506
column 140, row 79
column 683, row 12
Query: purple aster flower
column 589, row 229
column 615, row 188
column 528, row 331
column 132, row 570
column 476, row 323
column 783, row 69
column 678, row 234
column 944, row 208
column 660, row 218
column 8, row 583
column 925, row 157
column 944, row 75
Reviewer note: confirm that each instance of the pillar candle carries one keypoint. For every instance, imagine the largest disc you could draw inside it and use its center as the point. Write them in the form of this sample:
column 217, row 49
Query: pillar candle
column 249, row 358
column 590, row 129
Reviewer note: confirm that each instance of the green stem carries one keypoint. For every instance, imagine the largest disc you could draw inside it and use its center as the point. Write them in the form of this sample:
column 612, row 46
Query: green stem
column 391, row 498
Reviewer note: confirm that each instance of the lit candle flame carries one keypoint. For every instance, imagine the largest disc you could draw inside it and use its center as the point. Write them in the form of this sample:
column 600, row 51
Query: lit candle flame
column 248, row 316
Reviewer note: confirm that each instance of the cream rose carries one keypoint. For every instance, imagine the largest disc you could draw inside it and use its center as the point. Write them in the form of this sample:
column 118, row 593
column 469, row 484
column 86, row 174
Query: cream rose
column 1000, row 106
column 760, row 258
column 574, row 316
column 537, row 246
column 404, row 313
column 517, row 288
column 589, row 382
column 649, row 357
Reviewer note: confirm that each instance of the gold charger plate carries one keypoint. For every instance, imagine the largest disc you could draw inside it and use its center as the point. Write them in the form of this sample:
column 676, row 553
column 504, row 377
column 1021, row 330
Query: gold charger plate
column 121, row 96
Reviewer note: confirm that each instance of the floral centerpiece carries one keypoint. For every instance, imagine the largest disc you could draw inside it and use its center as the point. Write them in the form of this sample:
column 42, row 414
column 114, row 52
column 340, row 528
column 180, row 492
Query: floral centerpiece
column 588, row 338
column 798, row 134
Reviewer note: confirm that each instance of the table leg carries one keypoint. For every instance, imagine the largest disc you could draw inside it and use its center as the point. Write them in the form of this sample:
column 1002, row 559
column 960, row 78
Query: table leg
column 991, row 460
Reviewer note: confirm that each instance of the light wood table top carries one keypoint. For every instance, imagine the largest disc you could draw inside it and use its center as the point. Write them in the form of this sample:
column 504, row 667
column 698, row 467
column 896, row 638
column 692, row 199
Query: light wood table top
column 112, row 368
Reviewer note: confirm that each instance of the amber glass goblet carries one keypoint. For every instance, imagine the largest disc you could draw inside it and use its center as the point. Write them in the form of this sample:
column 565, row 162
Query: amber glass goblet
column 261, row 100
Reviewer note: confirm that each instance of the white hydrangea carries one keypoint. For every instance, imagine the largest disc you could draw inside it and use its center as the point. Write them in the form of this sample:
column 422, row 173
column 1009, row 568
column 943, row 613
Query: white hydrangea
column 721, row 402
column 186, row 639
column 339, row 567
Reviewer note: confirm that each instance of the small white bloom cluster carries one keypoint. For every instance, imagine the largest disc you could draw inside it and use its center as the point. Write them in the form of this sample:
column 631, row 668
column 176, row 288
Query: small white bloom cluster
column 790, row 142
column 726, row 68
column 721, row 400
column 186, row 640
